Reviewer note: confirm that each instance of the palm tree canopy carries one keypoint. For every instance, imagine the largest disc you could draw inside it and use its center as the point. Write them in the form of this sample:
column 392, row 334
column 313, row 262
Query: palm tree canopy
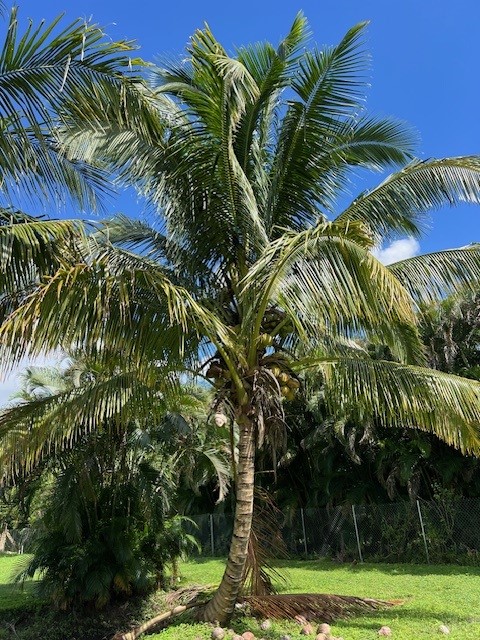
column 245, row 157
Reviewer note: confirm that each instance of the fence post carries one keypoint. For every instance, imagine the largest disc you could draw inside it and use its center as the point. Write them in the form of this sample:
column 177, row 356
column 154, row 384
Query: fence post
column 212, row 540
column 356, row 534
column 304, row 532
column 423, row 532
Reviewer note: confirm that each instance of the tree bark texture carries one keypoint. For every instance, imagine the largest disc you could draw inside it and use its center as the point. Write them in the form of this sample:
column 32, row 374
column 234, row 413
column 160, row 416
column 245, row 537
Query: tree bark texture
column 222, row 605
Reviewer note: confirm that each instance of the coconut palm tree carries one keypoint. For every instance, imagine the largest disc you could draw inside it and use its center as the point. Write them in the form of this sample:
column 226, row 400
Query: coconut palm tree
column 249, row 276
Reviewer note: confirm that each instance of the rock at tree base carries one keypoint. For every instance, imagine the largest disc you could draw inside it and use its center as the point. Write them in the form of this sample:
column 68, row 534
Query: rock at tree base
column 248, row 635
column 321, row 636
column 266, row 625
column 218, row 633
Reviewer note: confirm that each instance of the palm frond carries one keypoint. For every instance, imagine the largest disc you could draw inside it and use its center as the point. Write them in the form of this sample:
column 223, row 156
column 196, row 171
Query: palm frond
column 117, row 300
column 370, row 142
column 320, row 607
column 403, row 396
column 399, row 204
column 328, row 282
column 34, row 431
column 330, row 88
column 31, row 248
column 33, row 165
column 432, row 276
column 272, row 70
column 41, row 70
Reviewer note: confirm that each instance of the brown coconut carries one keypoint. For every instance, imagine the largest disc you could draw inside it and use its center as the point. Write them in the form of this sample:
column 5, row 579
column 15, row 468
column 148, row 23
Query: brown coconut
column 307, row 630
column 324, row 628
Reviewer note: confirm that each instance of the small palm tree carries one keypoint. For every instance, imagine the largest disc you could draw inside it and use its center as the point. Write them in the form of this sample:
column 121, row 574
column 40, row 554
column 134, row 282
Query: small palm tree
column 249, row 278
column 108, row 524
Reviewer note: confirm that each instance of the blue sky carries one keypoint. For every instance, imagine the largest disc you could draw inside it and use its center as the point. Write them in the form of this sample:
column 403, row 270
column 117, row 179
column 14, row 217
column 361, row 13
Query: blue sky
column 425, row 67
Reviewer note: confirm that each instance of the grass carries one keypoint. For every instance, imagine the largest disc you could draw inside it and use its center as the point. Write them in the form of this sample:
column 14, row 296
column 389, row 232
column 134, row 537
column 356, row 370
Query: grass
column 432, row 595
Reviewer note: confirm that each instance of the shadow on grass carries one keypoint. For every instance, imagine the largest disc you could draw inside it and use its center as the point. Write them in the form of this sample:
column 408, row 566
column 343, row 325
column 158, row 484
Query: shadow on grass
column 16, row 596
column 388, row 569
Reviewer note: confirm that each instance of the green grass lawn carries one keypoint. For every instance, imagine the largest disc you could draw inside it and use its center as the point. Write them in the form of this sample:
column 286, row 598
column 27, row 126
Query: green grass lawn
column 432, row 595
column 13, row 596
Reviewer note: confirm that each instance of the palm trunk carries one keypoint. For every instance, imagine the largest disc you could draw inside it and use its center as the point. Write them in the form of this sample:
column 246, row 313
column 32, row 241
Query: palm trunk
column 222, row 605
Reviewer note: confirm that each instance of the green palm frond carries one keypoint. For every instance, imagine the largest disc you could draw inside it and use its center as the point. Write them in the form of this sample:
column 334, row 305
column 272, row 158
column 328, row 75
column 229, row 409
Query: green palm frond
column 330, row 88
column 370, row 142
column 34, row 431
column 31, row 248
column 134, row 235
column 41, row 70
column 198, row 462
column 31, row 162
column 271, row 69
column 433, row 276
column 41, row 381
column 118, row 300
column 329, row 282
column 399, row 204
column 403, row 396
column 42, row 67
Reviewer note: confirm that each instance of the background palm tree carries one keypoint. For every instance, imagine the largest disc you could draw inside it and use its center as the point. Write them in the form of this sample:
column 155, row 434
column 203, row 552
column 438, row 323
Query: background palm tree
column 246, row 278
column 106, row 494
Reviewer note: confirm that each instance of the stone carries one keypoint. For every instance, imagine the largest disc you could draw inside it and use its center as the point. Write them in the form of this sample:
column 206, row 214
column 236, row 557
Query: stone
column 266, row 625
column 385, row 631
column 237, row 637
column 321, row 636
column 218, row 633
column 444, row 629
column 248, row 635
column 301, row 620
column 324, row 628
column 307, row 630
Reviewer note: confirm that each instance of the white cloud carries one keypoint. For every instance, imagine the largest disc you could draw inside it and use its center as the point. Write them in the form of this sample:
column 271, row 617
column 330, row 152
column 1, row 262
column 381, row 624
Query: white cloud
column 397, row 250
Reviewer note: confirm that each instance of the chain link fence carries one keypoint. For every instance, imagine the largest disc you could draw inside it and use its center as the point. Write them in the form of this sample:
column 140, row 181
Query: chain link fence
column 441, row 531
column 422, row 532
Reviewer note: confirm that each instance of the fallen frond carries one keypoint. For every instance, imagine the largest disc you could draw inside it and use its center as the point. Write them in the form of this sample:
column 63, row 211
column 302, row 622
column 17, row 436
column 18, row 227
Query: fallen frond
column 192, row 593
column 191, row 596
column 320, row 607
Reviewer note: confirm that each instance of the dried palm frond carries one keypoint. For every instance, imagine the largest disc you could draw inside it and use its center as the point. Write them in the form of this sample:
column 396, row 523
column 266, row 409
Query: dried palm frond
column 192, row 593
column 265, row 545
column 320, row 607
